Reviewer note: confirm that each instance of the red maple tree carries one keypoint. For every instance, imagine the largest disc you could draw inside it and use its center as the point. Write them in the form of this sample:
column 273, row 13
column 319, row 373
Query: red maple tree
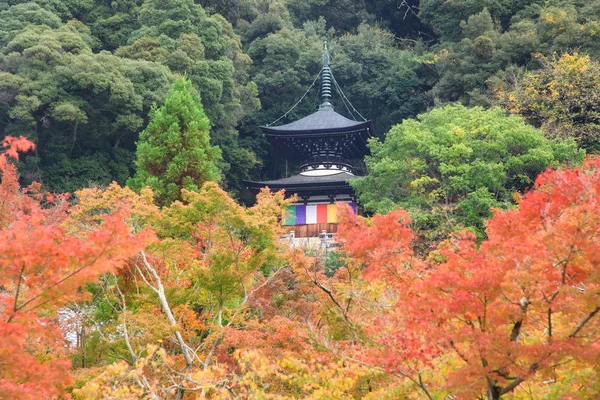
column 520, row 305
column 42, row 267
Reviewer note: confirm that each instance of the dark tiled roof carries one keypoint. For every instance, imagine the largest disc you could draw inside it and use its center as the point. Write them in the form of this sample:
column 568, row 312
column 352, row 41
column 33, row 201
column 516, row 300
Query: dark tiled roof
column 309, row 180
column 303, row 179
column 323, row 120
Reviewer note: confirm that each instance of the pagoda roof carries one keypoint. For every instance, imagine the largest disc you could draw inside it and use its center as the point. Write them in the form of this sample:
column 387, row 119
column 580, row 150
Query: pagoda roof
column 300, row 179
column 323, row 139
column 322, row 121
column 319, row 131
column 302, row 183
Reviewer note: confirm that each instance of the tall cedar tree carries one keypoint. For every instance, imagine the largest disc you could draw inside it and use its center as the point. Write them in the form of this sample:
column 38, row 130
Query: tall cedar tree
column 174, row 151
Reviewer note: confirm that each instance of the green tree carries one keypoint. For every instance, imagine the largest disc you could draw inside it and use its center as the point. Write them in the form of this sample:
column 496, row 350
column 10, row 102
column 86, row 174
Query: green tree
column 342, row 15
column 174, row 150
column 466, row 65
column 83, row 109
column 233, row 10
column 113, row 22
column 181, row 35
column 271, row 18
column 20, row 16
column 449, row 167
column 384, row 81
column 446, row 15
column 402, row 18
column 144, row 37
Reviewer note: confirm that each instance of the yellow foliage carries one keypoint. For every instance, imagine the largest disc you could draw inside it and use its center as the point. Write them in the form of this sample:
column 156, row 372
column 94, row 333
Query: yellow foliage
column 294, row 376
column 563, row 97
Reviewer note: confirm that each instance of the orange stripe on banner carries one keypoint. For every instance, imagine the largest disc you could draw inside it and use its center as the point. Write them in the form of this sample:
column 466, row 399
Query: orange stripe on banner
column 331, row 213
column 321, row 213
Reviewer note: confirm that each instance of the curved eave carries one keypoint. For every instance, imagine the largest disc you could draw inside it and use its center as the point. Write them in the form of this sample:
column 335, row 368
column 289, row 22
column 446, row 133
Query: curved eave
column 323, row 120
column 301, row 187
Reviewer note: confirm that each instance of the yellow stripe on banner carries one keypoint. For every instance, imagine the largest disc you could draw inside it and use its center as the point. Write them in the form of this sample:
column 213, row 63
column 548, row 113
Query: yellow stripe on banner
column 331, row 213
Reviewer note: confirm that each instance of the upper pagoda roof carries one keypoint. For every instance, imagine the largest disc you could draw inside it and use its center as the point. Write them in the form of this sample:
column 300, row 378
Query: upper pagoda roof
column 325, row 122
column 322, row 121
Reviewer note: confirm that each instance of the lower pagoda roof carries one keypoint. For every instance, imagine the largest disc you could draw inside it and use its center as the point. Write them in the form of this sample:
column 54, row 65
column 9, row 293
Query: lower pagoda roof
column 305, row 185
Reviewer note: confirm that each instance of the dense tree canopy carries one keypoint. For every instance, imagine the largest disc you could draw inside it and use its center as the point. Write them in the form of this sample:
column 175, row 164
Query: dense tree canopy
column 485, row 38
column 250, row 61
column 453, row 164
column 83, row 109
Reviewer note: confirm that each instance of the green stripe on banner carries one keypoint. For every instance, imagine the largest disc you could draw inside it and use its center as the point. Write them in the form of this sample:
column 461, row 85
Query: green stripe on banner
column 290, row 215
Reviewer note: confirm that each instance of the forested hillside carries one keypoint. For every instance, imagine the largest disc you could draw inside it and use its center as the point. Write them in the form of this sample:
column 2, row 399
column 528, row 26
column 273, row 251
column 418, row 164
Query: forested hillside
column 79, row 77
column 135, row 264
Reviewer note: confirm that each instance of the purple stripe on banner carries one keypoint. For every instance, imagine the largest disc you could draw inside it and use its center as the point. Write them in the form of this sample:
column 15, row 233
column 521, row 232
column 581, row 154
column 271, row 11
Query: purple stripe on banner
column 353, row 205
column 300, row 215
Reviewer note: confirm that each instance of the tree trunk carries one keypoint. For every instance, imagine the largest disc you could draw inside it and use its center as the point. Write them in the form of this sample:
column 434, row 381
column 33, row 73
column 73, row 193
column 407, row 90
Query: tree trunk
column 160, row 290
column 83, row 349
column 73, row 138
column 493, row 393
column 118, row 141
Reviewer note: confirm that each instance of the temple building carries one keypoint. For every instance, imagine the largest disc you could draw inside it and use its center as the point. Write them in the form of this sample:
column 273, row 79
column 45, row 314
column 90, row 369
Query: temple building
column 323, row 143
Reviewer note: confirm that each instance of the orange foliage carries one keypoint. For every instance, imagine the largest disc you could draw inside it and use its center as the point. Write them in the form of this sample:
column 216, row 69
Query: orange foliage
column 486, row 318
column 41, row 269
column 383, row 243
column 12, row 147
column 520, row 305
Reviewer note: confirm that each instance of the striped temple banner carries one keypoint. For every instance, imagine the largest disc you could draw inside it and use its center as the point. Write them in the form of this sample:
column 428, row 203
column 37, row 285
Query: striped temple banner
column 313, row 214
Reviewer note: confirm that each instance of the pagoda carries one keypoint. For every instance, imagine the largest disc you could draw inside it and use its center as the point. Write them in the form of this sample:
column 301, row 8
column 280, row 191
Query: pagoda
column 323, row 143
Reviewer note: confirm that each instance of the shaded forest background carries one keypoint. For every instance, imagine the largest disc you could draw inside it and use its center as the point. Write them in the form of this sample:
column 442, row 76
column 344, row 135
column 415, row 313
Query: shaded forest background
column 79, row 77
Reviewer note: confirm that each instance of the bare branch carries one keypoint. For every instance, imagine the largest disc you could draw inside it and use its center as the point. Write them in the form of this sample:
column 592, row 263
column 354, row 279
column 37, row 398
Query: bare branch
column 125, row 332
column 160, row 290
column 582, row 324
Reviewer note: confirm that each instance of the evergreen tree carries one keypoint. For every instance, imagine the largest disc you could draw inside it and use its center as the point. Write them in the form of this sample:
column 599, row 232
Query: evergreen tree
column 181, row 35
column 174, row 151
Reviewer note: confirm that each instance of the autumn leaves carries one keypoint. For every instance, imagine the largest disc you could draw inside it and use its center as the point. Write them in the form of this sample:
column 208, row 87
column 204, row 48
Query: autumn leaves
column 517, row 309
column 200, row 299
